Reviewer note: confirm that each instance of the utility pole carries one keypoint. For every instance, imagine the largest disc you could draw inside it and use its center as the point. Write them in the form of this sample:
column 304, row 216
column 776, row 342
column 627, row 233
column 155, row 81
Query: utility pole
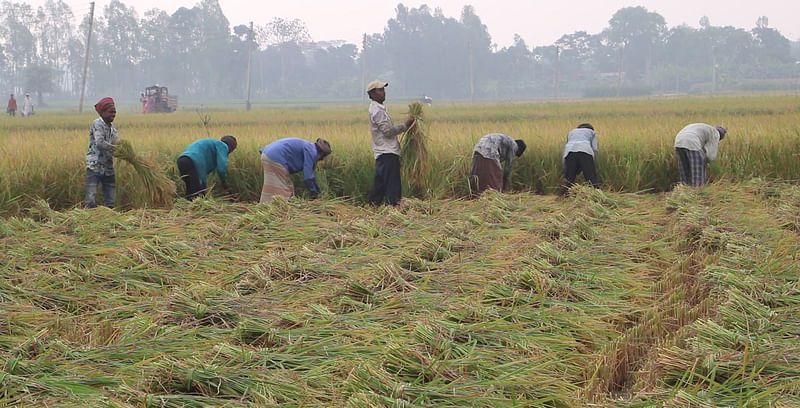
column 249, row 62
column 471, row 74
column 619, row 69
column 555, row 73
column 364, row 69
column 713, row 69
column 86, row 59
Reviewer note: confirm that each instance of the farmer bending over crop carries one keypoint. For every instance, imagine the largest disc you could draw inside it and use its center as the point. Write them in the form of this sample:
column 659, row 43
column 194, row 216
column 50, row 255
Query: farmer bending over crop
column 489, row 152
column 386, row 186
column 201, row 158
column 100, row 157
column 288, row 156
column 696, row 146
column 579, row 153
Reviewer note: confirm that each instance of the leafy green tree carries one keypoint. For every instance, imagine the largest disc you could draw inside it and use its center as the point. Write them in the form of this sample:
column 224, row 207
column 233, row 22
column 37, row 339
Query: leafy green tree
column 215, row 53
column 433, row 54
column 515, row 71
column 285, row 37
column 117, row 50
column 183, row 43
column 334, row 69
column 155, row 48
column 685, row 59
column 638, row 33
column 53, row 32
column 40, row 79
column 16, row 38
column 578, row 54
column 769, row 43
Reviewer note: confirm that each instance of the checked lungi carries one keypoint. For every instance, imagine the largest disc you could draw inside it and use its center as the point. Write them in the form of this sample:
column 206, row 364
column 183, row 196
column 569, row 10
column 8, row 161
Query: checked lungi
column 277, row 181
column 692, row 167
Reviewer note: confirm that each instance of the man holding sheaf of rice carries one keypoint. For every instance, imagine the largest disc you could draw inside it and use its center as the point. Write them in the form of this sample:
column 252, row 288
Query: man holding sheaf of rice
column 100, row 157
column 386, row 185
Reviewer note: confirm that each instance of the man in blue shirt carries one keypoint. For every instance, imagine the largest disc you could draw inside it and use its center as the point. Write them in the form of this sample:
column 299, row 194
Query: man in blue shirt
column 287, row 156
column 200, row 159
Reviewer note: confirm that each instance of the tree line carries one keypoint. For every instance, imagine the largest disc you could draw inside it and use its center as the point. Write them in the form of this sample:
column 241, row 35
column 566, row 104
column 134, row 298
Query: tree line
column 197, row 53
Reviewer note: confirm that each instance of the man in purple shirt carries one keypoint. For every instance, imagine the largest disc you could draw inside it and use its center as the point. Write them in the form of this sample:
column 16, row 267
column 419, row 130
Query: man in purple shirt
column 287, row 156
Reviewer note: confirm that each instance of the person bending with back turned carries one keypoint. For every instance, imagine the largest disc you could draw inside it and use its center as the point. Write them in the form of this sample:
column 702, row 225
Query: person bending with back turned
column 200, row 159
column 487, row 156
column 696, row 146
column 287, row 156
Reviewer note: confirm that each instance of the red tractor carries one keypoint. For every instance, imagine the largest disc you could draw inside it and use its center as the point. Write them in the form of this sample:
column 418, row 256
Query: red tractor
column 157, row 99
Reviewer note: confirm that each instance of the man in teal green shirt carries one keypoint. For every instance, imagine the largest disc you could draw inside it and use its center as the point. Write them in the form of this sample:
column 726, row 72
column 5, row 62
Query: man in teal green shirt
column 201, row 158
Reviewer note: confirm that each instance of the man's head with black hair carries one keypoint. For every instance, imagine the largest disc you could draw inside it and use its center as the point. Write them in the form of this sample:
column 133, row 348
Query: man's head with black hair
column 520, row 147
column 230, row 141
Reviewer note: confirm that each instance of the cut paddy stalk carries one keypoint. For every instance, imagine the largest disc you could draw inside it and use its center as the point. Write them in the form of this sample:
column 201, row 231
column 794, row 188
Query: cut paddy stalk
column 159, row 188
column 416, row 167
column 512, row 297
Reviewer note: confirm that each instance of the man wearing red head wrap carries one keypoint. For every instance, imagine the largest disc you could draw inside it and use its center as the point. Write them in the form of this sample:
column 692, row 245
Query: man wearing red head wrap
column 100, row 157
column 104, row 105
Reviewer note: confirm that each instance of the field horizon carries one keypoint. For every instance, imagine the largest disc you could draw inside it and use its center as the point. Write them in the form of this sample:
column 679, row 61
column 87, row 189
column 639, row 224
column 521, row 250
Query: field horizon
column 44, row 155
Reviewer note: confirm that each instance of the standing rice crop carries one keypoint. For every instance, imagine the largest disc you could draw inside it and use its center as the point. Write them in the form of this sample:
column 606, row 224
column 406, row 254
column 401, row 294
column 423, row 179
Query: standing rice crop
column 160, row 189
column 416, row 166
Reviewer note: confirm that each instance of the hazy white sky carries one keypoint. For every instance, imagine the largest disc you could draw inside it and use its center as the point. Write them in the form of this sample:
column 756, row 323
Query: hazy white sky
column 539, row 22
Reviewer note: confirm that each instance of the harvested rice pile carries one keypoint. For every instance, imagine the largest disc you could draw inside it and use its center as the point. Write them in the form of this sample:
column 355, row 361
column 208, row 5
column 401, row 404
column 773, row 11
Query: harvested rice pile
column 416, row 166
column 159, row 189
column 684, row 299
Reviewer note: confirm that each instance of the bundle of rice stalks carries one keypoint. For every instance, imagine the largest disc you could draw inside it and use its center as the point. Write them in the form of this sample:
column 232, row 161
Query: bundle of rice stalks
column 416, row 166
column 160, row 189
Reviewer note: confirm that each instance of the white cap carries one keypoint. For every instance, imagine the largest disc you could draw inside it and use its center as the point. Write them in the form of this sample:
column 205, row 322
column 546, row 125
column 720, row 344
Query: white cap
column 376, row 84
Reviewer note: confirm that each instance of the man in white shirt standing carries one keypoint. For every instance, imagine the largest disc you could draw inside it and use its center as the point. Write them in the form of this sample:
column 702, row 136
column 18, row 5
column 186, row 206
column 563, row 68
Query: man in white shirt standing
column 386, row 186
column 696, row 146
column 27, row 106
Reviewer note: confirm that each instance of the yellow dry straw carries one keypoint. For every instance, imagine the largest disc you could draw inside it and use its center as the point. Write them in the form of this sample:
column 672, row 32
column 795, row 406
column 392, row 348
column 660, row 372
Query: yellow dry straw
column 160, row 188
column 416, row 166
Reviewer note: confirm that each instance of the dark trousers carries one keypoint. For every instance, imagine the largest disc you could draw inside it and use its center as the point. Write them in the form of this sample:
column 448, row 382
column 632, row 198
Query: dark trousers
column 386, row 186
column 577, row 162
column 109, row 189
column 190, row 177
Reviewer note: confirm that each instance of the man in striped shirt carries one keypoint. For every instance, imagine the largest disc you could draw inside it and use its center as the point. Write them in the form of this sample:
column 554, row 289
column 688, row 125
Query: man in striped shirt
column 100, row 156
